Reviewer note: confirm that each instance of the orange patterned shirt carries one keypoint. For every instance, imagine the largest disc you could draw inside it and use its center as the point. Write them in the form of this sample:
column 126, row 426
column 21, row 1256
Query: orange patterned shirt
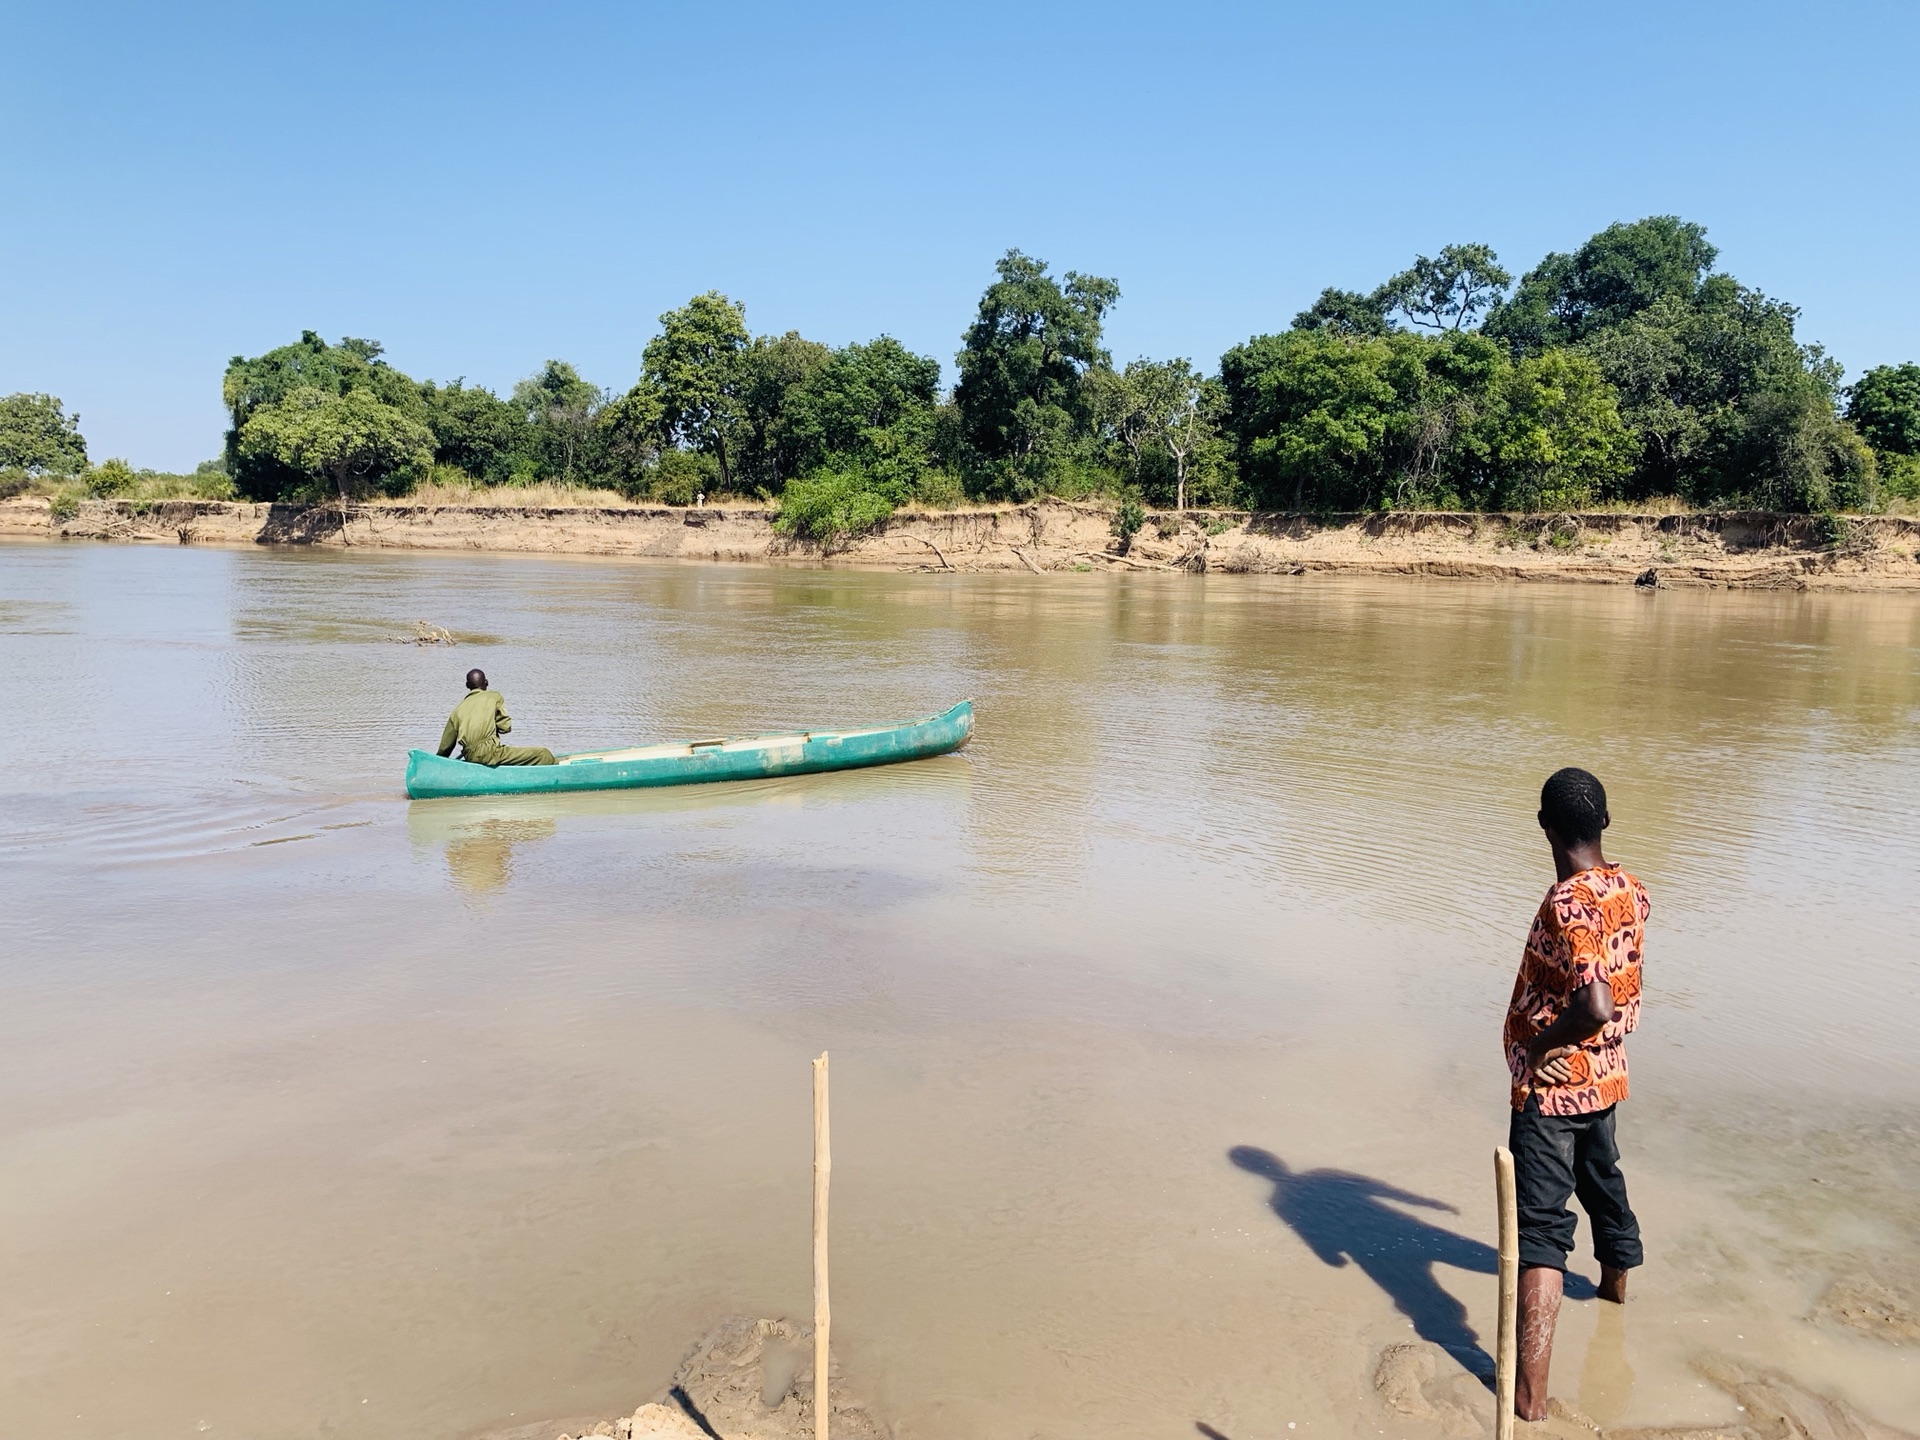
column 1590, row 927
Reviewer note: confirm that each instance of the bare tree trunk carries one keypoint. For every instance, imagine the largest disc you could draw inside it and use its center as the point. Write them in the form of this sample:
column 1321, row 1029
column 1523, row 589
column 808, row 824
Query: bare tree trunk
column 340, row 484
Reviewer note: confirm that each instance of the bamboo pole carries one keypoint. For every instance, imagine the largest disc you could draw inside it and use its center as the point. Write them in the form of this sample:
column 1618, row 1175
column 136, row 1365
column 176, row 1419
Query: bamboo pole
column 822, row 1308
column 1507, row 1346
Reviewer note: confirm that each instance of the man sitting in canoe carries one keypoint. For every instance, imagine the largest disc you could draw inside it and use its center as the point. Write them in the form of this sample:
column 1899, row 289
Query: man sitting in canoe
column 478, row 722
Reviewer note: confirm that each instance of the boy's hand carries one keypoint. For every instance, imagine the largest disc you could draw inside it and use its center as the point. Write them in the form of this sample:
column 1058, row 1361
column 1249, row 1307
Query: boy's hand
column 1552, row 1067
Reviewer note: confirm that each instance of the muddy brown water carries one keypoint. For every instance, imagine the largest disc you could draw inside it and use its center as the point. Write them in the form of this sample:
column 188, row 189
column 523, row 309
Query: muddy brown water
column 1164, row 1018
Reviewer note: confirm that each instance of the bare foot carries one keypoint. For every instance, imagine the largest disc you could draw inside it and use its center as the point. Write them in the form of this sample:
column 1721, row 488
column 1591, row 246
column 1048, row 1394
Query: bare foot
column 1613, row 1285
column 1539, row 1308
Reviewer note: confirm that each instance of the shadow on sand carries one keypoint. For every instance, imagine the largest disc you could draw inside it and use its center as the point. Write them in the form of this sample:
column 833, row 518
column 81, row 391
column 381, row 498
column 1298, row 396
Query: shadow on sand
column 1346, row 1217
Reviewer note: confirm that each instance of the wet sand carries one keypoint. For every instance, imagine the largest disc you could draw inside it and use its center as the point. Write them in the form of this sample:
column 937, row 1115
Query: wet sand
column 1164, row 1018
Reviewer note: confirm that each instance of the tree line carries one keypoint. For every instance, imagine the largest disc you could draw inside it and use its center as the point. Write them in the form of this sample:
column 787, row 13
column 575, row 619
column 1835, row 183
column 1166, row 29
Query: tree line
column 1624, row 370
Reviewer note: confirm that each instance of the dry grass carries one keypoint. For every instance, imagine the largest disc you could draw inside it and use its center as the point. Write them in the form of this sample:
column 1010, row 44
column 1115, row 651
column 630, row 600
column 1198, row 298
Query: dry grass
column 544, row 494
column 115, row 480
column 1652, row 505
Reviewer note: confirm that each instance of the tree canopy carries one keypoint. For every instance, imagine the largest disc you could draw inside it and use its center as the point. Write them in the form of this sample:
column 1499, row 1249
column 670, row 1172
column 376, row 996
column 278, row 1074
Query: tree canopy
column 1720, row 403
column 777, row 368
column 1884, row 406
column 1618, row 273
column 1334, row 422
column 477, row 432
column 561, row 410
column 38, row 436
column 1622, row 369
column 698, row 365
column 310, row 368
column 1452, row 292
column 349, row 442
column 1020, row 399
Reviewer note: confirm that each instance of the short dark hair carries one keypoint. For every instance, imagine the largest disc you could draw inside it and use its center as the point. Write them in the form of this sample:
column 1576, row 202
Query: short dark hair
column 476, row 679
column 1573, row 804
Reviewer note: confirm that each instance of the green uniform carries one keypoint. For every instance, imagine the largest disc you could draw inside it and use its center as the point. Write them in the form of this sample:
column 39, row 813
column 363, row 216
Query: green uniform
column 477, row 723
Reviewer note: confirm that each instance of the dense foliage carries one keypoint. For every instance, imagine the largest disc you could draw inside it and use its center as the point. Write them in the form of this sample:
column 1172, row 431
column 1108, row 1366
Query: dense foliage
column 38, row 437
column 1622, row 371
column 1626, row 369
column 1884, row 406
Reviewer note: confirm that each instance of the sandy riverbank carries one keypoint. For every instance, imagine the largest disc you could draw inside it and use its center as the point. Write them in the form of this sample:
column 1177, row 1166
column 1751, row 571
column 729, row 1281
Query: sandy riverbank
column 752, row 1380
column 1746, row 550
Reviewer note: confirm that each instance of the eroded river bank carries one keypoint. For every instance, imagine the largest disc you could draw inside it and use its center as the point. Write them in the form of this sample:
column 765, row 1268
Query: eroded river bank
column 1749, row 550
column 1164, row 1018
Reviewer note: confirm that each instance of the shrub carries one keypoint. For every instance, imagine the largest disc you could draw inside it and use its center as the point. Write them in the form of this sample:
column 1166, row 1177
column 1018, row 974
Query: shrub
column 1127, row 523
column 679, row 477
column 831, row 507
column 1900, row 475
column 110, row 478
column 939, row 490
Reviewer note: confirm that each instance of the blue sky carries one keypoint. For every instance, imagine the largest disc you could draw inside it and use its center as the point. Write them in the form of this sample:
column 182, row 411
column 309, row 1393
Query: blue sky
column 483, row 186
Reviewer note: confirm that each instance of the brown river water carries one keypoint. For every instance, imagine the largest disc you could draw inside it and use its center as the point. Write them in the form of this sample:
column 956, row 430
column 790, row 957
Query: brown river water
column 1164, row 1018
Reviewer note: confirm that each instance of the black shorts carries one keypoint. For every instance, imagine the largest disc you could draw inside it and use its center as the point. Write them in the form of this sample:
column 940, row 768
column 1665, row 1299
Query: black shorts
column 1556, row 1157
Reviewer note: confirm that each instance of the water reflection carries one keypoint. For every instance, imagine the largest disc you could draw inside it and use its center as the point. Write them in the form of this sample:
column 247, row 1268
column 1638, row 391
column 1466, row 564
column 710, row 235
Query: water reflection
column 481, row 836
column 482, row 859
column 1606, row 1378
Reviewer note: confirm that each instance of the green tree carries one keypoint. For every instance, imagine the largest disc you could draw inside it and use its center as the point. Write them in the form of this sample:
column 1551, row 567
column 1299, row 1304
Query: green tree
column 561, row 410
column 631, row 432
column 1884, row 406
column 1343, row 422
column 1020, row 399
column 872, row 408
column 39, row 437
column 1667, row 396
column 1726, row 406
column 1449, row 292
column 1618, row 273
column 1555, row 439
column 476, row 431
column 1345, row 312
column 697, row 365
column 1439, row 450
column 1311, row 413
column 769, row 452
column 352, row 441
column 1165, row 415
column 309, row 364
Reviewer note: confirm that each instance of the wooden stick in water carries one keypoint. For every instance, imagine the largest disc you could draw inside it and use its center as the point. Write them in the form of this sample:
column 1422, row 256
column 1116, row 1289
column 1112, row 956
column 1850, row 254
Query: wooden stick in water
column 1507, row 1346
column 822, row 1308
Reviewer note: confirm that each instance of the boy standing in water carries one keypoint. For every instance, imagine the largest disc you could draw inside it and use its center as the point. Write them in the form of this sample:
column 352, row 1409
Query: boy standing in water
column 1574, row 1004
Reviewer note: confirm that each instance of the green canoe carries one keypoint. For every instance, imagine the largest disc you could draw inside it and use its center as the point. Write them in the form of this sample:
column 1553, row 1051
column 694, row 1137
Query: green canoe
column 759, row 757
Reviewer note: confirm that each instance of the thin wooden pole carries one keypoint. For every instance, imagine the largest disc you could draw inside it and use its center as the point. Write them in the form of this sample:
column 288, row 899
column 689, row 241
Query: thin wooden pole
column 1507, row 1346
column 822, row 1307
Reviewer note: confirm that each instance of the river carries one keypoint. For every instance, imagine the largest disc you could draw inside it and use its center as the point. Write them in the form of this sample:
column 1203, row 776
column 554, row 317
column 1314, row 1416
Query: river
column 324, row 1113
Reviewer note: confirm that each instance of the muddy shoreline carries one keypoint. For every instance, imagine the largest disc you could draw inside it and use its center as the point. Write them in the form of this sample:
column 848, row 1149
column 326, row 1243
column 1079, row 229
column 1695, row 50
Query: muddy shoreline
column 1733, row 550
